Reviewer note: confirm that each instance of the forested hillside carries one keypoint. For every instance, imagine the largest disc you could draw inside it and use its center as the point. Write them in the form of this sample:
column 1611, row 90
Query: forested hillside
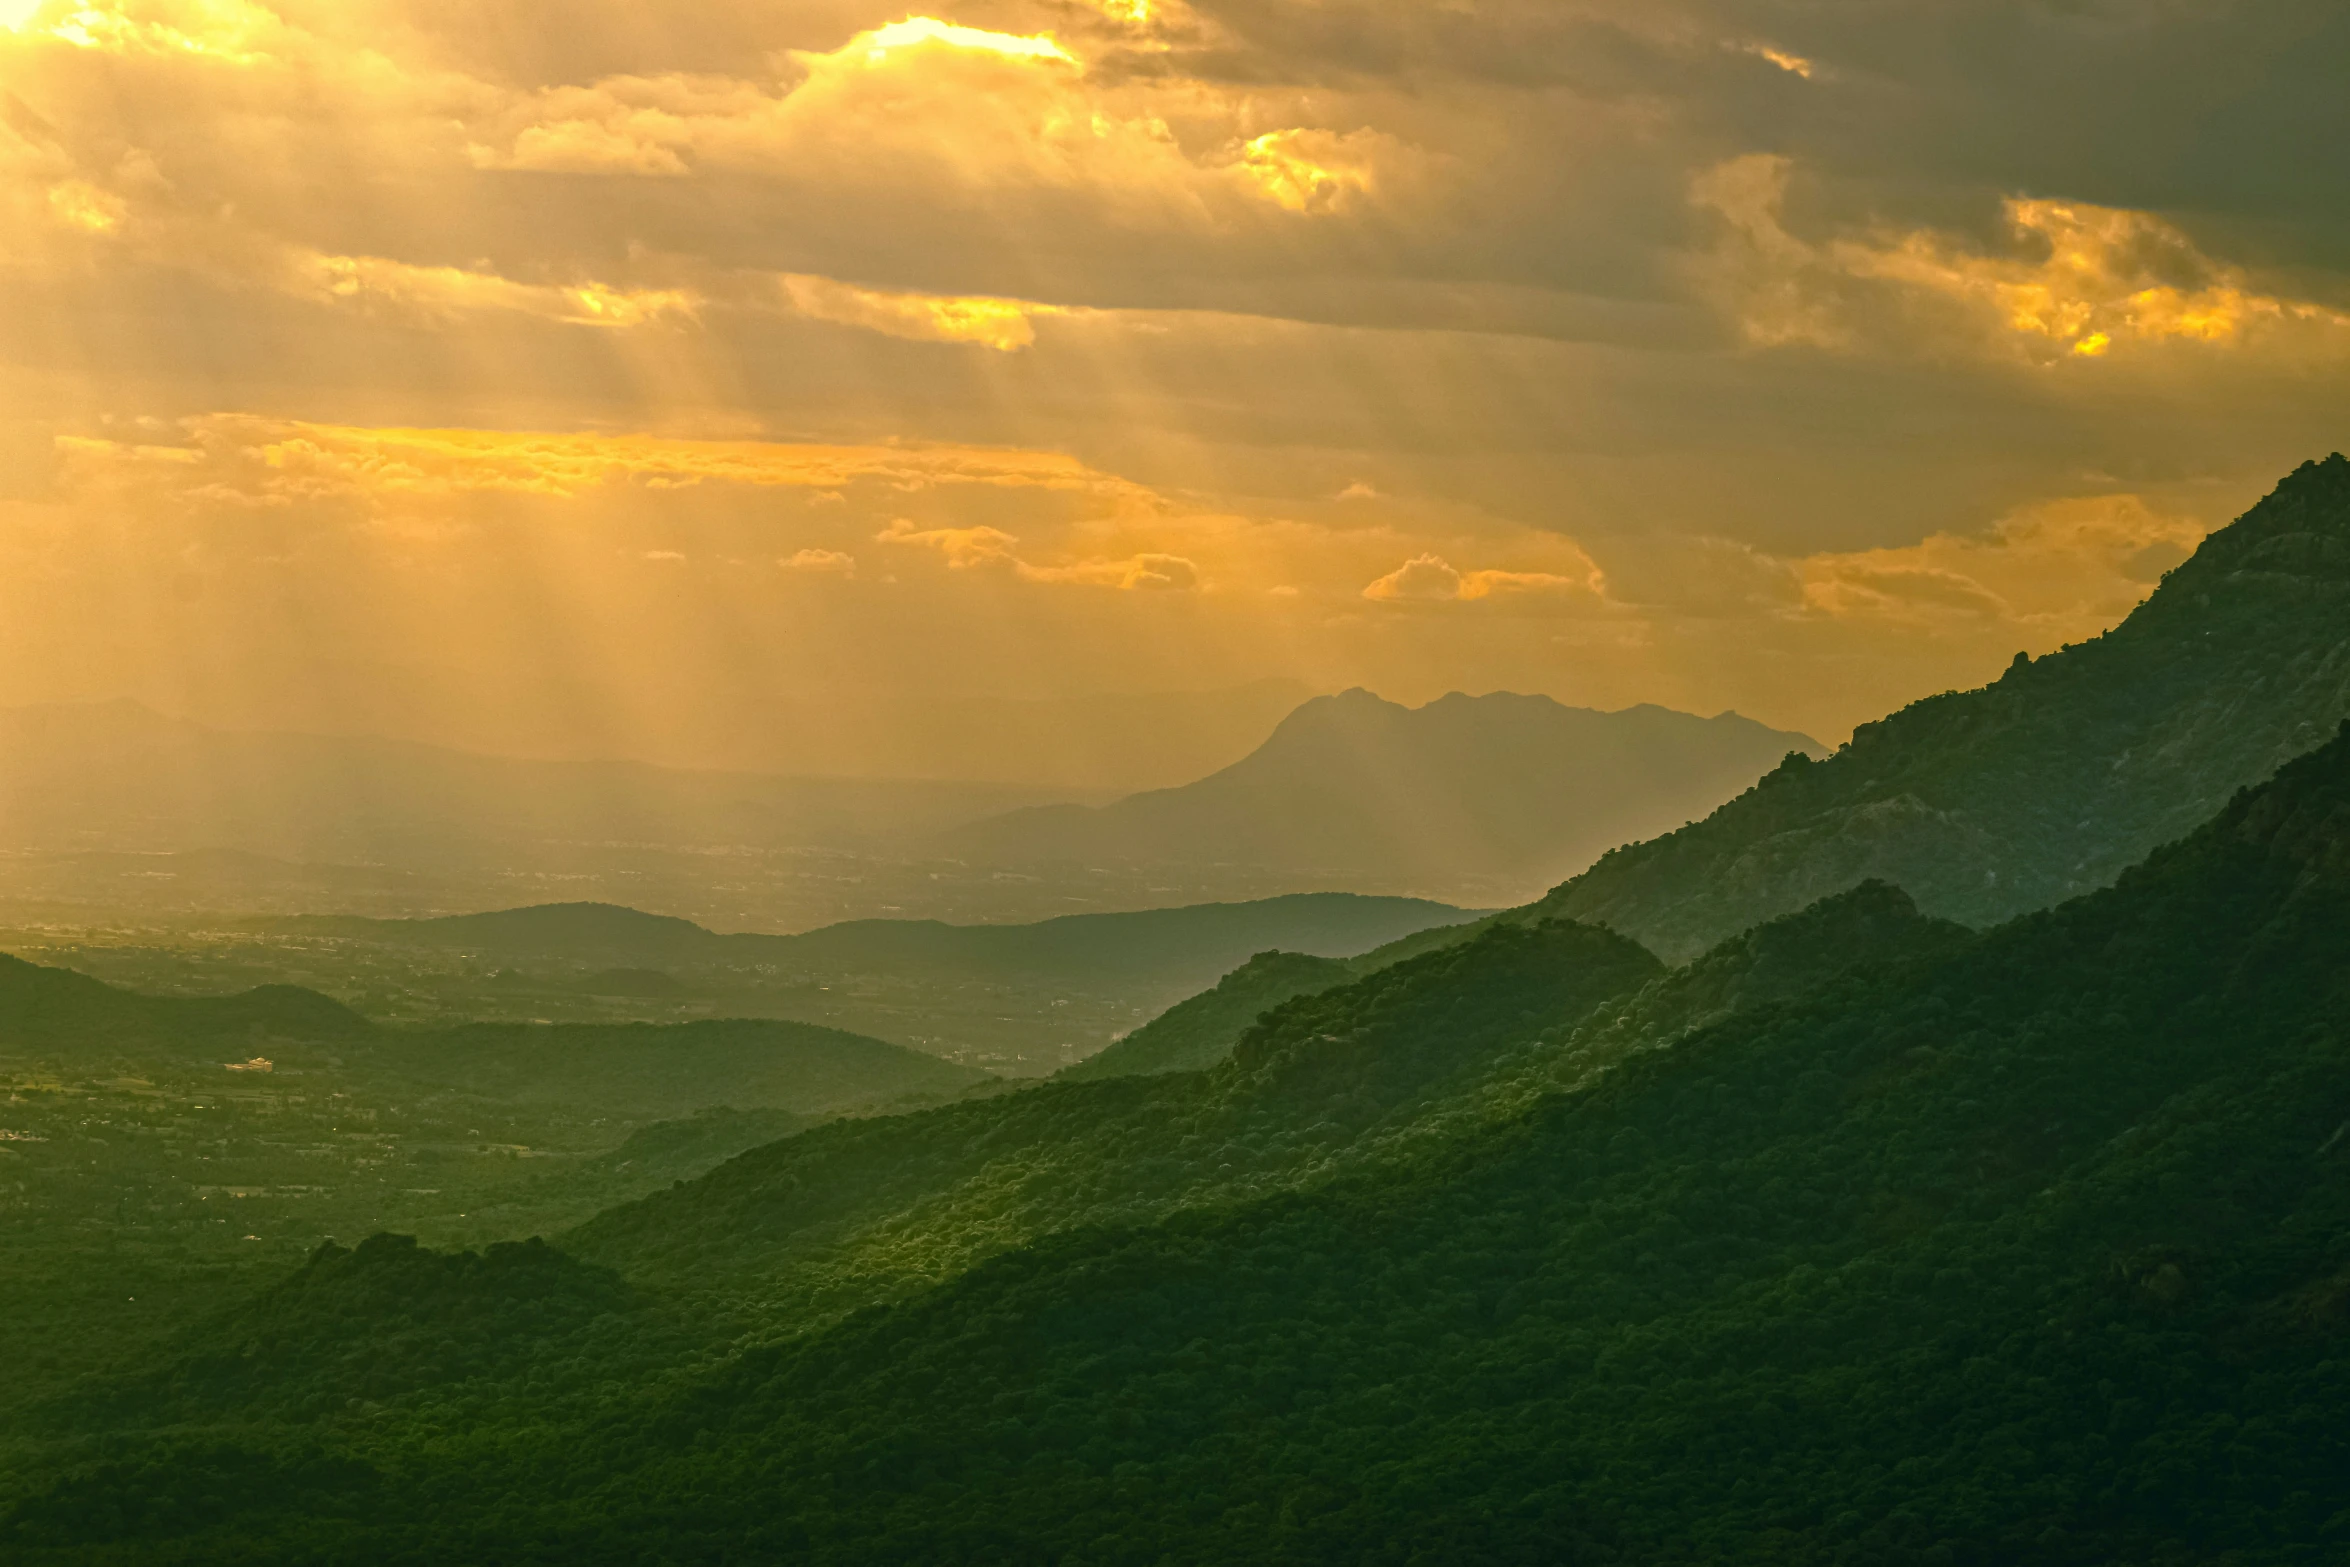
column 1984, row 804
column 163, row 1156
column 1863, row 1239
column 1193, row 1035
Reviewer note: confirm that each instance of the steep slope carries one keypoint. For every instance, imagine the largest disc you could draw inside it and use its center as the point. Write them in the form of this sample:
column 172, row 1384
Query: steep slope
column 1984, row 804
column 857, row 1211
column 1872, row 923
column 1193, row 1035
column 1493, row 786
column 2034, row 1256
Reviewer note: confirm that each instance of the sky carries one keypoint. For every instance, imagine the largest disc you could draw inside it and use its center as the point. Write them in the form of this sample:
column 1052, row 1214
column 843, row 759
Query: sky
column 750, row 383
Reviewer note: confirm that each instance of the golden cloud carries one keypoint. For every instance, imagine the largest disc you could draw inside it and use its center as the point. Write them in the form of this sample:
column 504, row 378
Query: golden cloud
column 2067, row 567
column 1792, row 64
column 273, row 462
column 1149, row 572
column 823, row 563
column 971, row 548
column 1316, row 170
column 921, row 92
column 964, row 548
column 2107, row 277
column 916, row 32
column 1431, row 579
column 1001, row 324
column 450, row 291
column 232, row 31
column 926, row 103
column 78, row 204
column 2086, row 279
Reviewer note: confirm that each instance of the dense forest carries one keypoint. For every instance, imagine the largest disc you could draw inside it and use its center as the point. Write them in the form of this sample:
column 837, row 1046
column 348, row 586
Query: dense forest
column 1863, row 1239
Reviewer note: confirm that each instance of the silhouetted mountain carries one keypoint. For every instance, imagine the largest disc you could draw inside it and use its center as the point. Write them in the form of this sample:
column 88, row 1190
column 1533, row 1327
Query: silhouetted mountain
column 1516, row 787
column 1987, row 803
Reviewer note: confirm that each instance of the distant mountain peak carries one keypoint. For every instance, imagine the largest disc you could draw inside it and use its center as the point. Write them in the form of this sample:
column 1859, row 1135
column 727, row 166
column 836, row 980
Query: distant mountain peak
column 1504, row 790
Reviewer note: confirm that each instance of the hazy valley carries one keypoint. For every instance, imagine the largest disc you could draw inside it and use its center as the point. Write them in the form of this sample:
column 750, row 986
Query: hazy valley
column 1999, row 1090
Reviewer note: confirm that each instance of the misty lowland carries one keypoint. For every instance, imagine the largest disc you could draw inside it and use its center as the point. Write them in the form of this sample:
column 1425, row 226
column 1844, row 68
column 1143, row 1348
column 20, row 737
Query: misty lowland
column 1174, row 783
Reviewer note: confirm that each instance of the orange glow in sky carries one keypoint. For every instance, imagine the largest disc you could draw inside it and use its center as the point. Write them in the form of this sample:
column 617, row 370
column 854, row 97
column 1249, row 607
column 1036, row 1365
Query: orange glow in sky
column 588, row 378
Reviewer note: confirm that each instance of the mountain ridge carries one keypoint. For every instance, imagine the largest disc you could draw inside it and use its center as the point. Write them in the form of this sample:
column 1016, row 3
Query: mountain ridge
column 2050, row 781
column 1495, row 786
column 1201, row 938
column 57, row 1015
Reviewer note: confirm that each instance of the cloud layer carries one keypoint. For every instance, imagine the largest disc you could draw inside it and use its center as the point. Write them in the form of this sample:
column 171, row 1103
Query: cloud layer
column 1798, row 358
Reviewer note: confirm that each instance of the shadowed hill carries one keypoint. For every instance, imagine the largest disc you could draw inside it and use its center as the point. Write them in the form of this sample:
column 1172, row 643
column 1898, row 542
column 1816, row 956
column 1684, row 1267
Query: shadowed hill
column 1987, row 803
column 50, row 1008
column 1797, row 953
column 61, row 1019
column 850, row 1211
column 673, row 1069
column 1194, row 1035
column 1516, row 787
column 1179, row 946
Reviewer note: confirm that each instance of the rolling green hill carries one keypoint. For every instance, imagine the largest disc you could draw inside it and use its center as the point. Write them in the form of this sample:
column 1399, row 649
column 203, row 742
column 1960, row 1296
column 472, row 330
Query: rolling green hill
column 162, row 1156
column 2023, row 1247
column 1862, row 1236
column 50, row 1010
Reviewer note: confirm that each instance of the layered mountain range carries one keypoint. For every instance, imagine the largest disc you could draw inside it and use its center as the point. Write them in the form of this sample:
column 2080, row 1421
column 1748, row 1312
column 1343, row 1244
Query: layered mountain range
column 1178, row 946
column 1990, row 1212
column 54, row 1020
